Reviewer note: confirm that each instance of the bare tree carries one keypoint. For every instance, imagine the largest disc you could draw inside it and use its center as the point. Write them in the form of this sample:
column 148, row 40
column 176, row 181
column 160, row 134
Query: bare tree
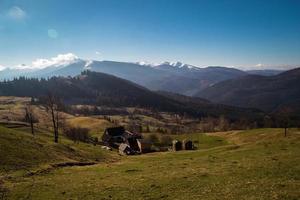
column 284, row 118
column 223, row 123
column 53, row 106
column 30, row 117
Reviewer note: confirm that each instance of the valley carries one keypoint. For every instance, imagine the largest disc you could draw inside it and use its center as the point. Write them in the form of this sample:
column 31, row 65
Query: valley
column 149, row 100
column 235, row 164
column 52, row 147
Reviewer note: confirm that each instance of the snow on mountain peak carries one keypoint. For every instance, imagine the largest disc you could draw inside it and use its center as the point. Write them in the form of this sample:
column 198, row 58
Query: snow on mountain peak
column 177, row 64
column 87, row 64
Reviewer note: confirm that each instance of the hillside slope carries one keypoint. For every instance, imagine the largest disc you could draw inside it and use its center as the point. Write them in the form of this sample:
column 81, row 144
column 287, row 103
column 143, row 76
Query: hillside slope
column 266, row 93
column 256, row 164
column 102, row 89
column 88, row 88
column 19, row 150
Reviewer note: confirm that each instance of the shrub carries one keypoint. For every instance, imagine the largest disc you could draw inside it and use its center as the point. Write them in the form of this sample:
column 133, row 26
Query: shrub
column 153, row 138
column 77, row 134
column 166, row 140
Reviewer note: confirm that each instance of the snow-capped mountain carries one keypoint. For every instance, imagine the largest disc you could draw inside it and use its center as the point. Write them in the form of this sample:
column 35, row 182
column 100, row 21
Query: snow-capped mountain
column 176, row 66
column 173, row 77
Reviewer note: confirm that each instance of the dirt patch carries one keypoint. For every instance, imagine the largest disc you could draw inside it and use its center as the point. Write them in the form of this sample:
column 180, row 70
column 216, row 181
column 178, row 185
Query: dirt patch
column 132, row 170
column 71, row 164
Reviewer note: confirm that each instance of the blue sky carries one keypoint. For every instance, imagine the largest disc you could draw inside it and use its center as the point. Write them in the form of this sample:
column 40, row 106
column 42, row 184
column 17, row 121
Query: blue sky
column 244, row 34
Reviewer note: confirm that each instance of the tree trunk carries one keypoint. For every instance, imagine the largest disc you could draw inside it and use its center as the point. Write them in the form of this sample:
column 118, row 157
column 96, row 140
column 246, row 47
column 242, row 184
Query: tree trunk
column 54, row 125
column 32, row 128
column 285, row 131
column 56, row 136
column 31, row 125
column 57, row 120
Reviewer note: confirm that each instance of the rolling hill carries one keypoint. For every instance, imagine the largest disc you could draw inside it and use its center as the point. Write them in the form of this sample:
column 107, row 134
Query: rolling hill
column 268, row 93
column 250, row 164
column 265, row 72
column 96, row 88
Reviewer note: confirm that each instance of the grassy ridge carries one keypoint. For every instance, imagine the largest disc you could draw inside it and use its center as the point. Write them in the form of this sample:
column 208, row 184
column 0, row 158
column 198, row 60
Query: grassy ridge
column 255, row 164
column 20, row 150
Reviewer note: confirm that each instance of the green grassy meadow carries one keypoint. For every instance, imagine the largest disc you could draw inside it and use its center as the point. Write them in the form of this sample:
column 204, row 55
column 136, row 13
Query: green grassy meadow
column 253, row 164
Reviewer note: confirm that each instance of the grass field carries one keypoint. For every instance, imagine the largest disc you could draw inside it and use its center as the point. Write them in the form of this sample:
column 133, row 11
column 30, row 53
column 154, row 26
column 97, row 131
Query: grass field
column 12, row 109
column 95, row 125
column 254, row 164
column 22, row 152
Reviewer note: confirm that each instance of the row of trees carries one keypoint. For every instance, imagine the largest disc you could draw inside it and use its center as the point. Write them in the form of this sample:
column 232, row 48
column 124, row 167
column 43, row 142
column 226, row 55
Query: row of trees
column 54, row 107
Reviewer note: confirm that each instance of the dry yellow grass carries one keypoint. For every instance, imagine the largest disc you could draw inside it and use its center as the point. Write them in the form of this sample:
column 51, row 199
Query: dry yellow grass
column 95, row 125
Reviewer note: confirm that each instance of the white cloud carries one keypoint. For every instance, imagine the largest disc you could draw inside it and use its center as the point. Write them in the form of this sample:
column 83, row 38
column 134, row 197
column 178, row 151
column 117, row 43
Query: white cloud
column 2, row 68
column 59, row 60
column 146, row 63
column 97, row 53
column 259, row 65
column 16, row 13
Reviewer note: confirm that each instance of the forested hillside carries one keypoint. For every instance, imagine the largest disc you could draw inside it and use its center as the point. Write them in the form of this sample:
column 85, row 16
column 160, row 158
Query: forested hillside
column 106, row 90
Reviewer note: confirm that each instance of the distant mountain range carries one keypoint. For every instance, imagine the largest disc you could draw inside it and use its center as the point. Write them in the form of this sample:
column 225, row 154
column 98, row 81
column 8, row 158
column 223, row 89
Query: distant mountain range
column 94, row 88
column 224, row 88
column 172, row 77
column 267, row 90
column 268, row 93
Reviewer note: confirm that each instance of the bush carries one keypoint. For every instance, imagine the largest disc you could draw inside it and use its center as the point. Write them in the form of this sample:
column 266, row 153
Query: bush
column 153, row 138
column 77, row 134
column 166, row 140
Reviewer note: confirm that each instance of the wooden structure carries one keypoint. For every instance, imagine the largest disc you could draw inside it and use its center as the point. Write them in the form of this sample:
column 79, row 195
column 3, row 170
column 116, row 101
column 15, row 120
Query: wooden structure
column 125, row 149
column 144, row 145
column 187, row 145
column 177, row 145
column 115, row 136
